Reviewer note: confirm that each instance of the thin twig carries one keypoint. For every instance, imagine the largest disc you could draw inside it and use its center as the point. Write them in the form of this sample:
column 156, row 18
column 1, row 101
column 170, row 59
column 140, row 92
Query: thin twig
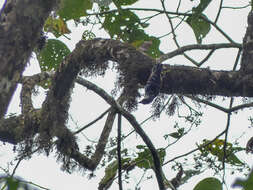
column 208, row 103
column 219, row 12
column 178, row 6
column 174, row 34
column 194, row 150
column 183, row 49
column 226, row 110
column 34, row 184
column 92, row 122
column 144, row 172
column 16, row 166
column 226, row 139
column 242, row 7
column 237, row 59
column 206, row 58
column 172, row 13
column 119, row 153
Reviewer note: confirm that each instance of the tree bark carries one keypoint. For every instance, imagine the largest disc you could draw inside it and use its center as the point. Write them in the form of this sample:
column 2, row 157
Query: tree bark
column 20, row 25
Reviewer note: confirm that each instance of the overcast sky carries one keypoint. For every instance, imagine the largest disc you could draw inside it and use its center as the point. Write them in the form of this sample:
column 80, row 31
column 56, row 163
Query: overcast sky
column 46, row 172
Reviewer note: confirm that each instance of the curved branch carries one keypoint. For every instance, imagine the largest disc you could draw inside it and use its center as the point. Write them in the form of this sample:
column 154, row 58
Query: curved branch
column 206, row 58
column 174, row 34
column 226, row 110
column 219, row 12
column 131, row 119
column 28, row 83
column 16, row 129
column 183, row 49
column 208, row 103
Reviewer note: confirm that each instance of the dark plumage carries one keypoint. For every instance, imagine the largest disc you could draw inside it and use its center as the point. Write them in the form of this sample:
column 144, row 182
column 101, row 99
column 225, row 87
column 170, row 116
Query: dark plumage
column 153, row 84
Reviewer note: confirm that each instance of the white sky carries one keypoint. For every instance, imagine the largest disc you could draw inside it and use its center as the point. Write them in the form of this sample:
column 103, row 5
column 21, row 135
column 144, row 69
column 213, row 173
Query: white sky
column 46, row 172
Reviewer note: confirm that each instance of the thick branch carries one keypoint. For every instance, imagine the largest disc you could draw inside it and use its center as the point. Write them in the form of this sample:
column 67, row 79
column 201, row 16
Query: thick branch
column 192, row 80
column 135, row 68
column 100, row 148
column 247, row 55
column 28, row 83
column 16, row 129
column 20, row 25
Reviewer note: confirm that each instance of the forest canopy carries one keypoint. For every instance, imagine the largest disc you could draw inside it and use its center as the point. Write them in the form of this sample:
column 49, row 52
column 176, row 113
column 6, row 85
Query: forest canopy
column 180, row 59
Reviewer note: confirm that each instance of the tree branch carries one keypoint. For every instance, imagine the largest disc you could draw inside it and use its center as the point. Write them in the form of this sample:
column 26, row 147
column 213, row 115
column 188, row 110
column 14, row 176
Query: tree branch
column 171, row 13
column 183, row 49
column 226, row 138
column 194, row 150
column 131, row 119
column 92, row 122
column 226, row 110
column 28, row 83
column 119, row 152
column 17, row 43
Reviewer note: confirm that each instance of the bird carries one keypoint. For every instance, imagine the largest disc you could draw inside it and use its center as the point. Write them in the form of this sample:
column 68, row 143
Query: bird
column 153, row 85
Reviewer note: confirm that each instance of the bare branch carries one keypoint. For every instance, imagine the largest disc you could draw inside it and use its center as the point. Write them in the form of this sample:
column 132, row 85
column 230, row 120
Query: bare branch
column 226, row 139
column 131, row 119
column 92, row 122
column 119, row 152
column 208, row 103
column 103, row 139
column 226, row 110
column 183, row 49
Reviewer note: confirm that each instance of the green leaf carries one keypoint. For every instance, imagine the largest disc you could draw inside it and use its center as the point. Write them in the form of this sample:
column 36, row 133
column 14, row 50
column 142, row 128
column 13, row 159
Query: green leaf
column 141, row 147
column 88, row 35
column 145, row 159
column 103, row 3
column 57, row 26
column 52, row 54
column 124, row 2
column 111, row 171
column 217, row 149
column 202, row 6
column 126, row 25
column 232, row 159
column 189, row 174
column 12, row 183
column 121, row 23
column 74, row 9
column 175, row 135
column 210, row 183
column 245, row 184
column 199, row 26
column 178, row 134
